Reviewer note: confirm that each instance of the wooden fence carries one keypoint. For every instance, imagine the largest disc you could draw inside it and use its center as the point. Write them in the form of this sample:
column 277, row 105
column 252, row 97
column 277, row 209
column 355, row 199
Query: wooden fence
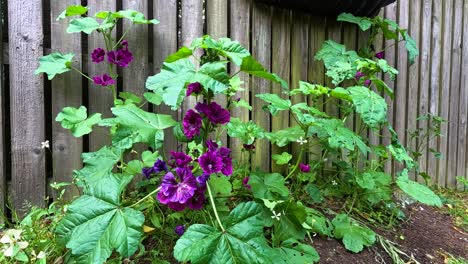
column 284, row 41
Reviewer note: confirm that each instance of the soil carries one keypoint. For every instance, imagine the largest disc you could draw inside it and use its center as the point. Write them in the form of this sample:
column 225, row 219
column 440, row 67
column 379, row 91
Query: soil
column 428, row 235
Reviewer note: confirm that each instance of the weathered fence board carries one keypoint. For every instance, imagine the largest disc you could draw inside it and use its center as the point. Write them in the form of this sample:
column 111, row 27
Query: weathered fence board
column 3, row 180
column 462, row 168
column 28, row 178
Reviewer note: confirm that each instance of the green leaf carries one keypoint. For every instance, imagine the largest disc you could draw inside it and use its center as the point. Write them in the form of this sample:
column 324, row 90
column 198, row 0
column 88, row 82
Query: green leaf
column 213, row 76
column 153, row 98
column 55, row 63
column 318, row 223
column 363, row 22
column 269, row 186
column 275, row 102
column 417, row 191
column 289, row 225
column 283, row 137
column 227, row 48
column 354, row 236
column 77, row 120
column 282, row 159
column 134, row 16
column 182, row 53
column 294, row 252
column 74, row 10
column 242, row 241
column 246, row 132
column 365, row 180
column 93, row 227
column 369, row 105
column 83, row 24
column 251, row 66
column 220, row 185
column 411, row 46
column 314, row 192
column 310, row 89
column 130, row 97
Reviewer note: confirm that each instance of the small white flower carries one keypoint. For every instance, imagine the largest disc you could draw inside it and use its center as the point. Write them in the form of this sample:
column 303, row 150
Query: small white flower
column 45, row 144
column 276, row 215
column 334, row 182
column 301, row 141
column 10, row 238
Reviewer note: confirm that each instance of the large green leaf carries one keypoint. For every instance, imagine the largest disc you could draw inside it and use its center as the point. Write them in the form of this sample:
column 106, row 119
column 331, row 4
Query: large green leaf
column 246, row 132
column 74, row 10
column 55, row 63
column 371, row 107
column 288, row 221
column 77, row 120
column 294, row 252
column 417, row 191
column 282, row 159
column 283, row 137
column 227, row 48
column 317, row 222
column 275, row 103
column 182, row 53
column 411, row 46
column 242, row 242
column 269, row 186
column 83, row 24
column 134, row 16
column 354, row 236
column 253, row 67
column 96, row 224
column 363, row 22
column 213, row 76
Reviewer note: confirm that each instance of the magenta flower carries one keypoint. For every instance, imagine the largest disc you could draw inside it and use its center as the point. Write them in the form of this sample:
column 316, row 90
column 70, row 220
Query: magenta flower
column 304, row 167
column 359, row 75
column 103, row 80
column 224, row 153
column 147, row 172
column 98, row 55
column 195, row 88
column 179, row 159
column 380, row 55
column 245, row 182
column 212, row 157
column 159, row 166
column 121, row 57
column 198, row 199
column 177, row 192
column 191, row 124
column 202, row 179
column 179, row 230
column 211, row 162
column 214, row 112
column 367, row 82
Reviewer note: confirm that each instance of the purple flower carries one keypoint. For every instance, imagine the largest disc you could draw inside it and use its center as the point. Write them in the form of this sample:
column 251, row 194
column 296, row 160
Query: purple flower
column 179, row 230
column 124, row 44
column 191, row 124
column 380, row 55
column 198, row 199
column 179, row 159
column 103, row 80
column 195, row 88
column 121, row 57
column 359, row 75
column 159, row 166
column 304, row 167
column 245, row 182
column 212, row 145
column 147, row 172
column 367, row 82
column 224, row 153
column 98, row 55
column 177, row 192
column 211, row 162
column 202, row 179
column 214, row 112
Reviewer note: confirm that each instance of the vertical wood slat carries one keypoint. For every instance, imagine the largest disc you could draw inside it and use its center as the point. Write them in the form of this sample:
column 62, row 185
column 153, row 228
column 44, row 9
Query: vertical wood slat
column 462, row 168
column 100, row 98
column 350, row 41
column 261, row 42
column 165, row 42
column 452, row 133
column 66, row 91
column 240, row 31
column 26, row 103
column 425, row 76
column 444, row 87
column 281, row 42
column 3, row 187
column 436, row 58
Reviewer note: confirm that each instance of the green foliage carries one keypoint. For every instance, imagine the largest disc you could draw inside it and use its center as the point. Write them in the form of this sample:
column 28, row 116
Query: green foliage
column 251, row 66
column 417, row 191
column 246, row 132
column 294, row 252
column 269, row 186
column 354, row 236
column 55, row 63
column 76, row 10
column 283, row 137
column 85, row 24
column 77, row 120
column 275, row 103
column 282, row 159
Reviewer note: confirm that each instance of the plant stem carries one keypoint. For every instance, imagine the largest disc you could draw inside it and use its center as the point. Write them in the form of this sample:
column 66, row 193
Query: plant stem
column 84, row 75
column 123, row 36
column 214, row 207
column 146, row 197
column 297, row 164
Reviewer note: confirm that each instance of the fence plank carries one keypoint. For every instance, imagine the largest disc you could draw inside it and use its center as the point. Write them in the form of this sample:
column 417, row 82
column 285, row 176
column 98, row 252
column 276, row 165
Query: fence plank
column 261, row 41
column 240, row 31
column 26, row 103
column 281, row 65
column 462, row 168
column 425, row 76
column 436, row 57
column 100, row 98
column 452, row 134
column 165, row 42
column 444, row 88
column 3, row 187
column 66, row 91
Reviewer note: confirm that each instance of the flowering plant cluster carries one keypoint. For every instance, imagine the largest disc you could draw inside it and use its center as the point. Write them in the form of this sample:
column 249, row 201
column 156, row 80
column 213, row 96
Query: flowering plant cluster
column 209, row 201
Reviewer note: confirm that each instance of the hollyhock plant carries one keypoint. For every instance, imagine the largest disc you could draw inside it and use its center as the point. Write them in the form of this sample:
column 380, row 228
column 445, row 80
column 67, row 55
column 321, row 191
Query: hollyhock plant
column 214, row 112
column 98, row 55
column 103, row 80
column 304, row 167
column 198, row 199
column 245, row 183
column 211, row 162
column 179, row 230
column 359, row 75
column 213, row 156
column 202, row 179
column 194, row 88
column 367, row 82
column 192, row 124
column 179, row 159
column 176, row 192
column 121, row 57
column 380, row 55
column 159, row 166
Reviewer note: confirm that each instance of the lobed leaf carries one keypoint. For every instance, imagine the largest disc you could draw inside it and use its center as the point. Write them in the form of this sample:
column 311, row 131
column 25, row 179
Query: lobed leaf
column 77, row 120
column 55, row 63
column 354, row 236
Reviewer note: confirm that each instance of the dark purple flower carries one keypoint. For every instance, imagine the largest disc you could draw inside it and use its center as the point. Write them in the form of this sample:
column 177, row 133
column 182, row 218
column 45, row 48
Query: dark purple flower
column 211, row 162
column 121, row 57
column 98, row 55
column 202, row 179
column 195, row 88
column 304, row 167
column 176, row 192
column 198, row 199
column 367, row 82
column 159, row 166
column 103, row 80
column 124, row 44
column 179, row 159
column 191, row 124
column 224, row 153
column 359, row 75
column 245, row 182
column 214, row 112
column 147, row 172
column 249, row 146
column 212, row 145
column 380, row 55
column 179, row 230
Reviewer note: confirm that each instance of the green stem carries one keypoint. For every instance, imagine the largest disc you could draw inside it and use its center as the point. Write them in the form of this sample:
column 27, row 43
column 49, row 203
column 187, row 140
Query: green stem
column 84, row 75
column 297, row 164
column 146, row 197
column 123, row 36
column 214, row 208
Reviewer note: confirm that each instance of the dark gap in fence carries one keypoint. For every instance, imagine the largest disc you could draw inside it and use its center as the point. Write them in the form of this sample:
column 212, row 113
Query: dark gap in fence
column 119, row 32
column 150, row 39
column 46, row 17
column 85, row 102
